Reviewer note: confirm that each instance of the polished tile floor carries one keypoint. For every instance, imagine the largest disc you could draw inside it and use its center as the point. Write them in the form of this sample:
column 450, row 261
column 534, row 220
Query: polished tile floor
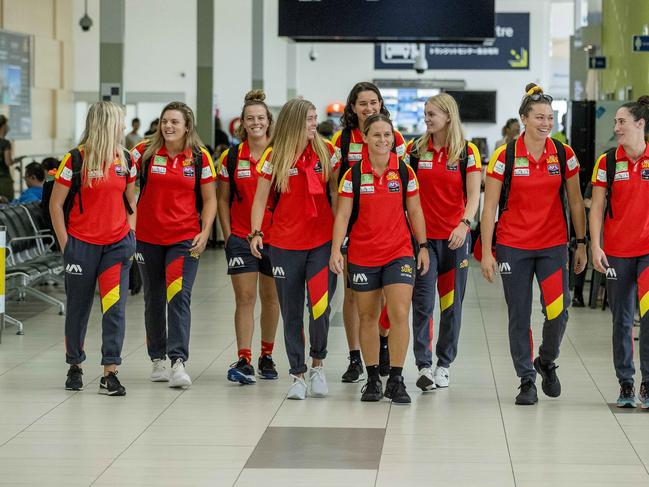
column 222, row 434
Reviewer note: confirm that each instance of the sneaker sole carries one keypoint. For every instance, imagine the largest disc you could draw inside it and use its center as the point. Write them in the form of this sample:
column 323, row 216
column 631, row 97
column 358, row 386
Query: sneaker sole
column 527, row 403
column 627, row 405
column 644, row 405
column 235, row 376
column 159, row 379
column 180, row 383
column 425, row 384
column 401, row 403
column 267, row 376
column 318, row 395
column 74, row 388
column 375, row 398
column 106, row 392
column 348, row 381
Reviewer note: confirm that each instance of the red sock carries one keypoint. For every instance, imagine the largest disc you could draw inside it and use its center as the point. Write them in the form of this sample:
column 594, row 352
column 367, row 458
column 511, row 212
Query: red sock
column 267, row 348
column 384, row 320
column 245, row 353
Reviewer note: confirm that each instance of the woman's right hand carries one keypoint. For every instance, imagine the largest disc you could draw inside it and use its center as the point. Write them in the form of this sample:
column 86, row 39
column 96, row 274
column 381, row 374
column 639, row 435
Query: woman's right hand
column 488, row 266
column 337, row 262
column 255, row 245
column 600, row 262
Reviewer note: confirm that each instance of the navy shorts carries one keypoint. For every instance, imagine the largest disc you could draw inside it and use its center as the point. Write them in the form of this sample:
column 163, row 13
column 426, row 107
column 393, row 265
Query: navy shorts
column 240, row 259
column 398, row 271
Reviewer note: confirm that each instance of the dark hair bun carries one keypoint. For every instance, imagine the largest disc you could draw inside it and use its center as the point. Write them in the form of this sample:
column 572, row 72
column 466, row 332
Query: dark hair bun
column 644, row 100
column 255, row 95
column 530, row 86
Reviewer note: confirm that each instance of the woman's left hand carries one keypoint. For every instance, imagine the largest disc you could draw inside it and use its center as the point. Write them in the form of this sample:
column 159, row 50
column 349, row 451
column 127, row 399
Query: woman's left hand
column 423, row 262
column 199, row 243
column 581, row 259
column 458, row 236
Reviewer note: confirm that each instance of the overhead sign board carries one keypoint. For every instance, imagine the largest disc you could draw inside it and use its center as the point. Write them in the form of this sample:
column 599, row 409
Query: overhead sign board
column 509, row 50
column 640, row 43
column 16, row 83
column 597, row 62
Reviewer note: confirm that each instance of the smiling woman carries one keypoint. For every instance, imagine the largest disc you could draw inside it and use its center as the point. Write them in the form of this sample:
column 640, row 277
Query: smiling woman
column 529, row 179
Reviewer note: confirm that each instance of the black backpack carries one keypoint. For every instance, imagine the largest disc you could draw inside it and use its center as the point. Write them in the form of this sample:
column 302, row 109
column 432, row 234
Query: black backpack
column 231, row 165
column 197, row 159
column 464, row 161
column 510, row 155
column 76, row 161
column 356, row 187
column 610, row 178
column 345, row 140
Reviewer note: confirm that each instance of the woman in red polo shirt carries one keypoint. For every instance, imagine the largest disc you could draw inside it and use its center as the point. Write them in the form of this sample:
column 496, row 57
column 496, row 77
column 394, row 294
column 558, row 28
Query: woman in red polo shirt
column 381, row 257
column 236, row 189
column 177, row 207
column 530, row 180
column 448, row 170
column 620, row 192
column 363, row 101
column 296, row 168
column 96, row 238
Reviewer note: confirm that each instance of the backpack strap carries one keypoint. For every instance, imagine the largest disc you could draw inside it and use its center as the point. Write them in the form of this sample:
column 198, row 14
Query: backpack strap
column 563, row 192
column 76, row 161
column 510, row 153
column 231, row 165
column 610, row 179
column 414, row 156
column 345, row 139
column 129, row 165
column 356, row 188
column 197, row 155
column 464, row 162
column 144, row 174
column 404, row 176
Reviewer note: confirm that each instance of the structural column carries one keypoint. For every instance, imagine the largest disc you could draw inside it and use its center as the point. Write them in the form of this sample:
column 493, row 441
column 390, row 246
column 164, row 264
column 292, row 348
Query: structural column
column 258, row 44
column 205, row 70
column 111, row 50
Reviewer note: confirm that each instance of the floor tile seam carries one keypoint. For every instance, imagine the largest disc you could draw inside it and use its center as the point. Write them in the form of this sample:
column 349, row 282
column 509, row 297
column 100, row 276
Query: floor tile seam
column 493, row 373
column 3, row 445
column 159, row 415
column 40, row 352
column 605, row 402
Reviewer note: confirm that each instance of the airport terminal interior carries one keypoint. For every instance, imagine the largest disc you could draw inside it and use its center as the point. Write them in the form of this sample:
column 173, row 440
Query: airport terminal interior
column 59, row 57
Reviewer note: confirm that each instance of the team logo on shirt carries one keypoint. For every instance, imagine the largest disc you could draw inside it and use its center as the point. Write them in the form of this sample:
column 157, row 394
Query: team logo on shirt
column 136, row 154
column 394, row 186
column 521, row 162
column 187, row 162
column 644, row 174
column 552, row 159
column 120, row 170
column 244, row 165
column 158, row 170
column 572, row 163
column 367, row 179
column 392, row 176
column 206, row 172
column 601, row 175
column 499, row 168
column 367, row 188
column 318, row 167
column 348, row 186
column 355, row 152
column 425, row 165
column 188, row 171
column 553, row 168
column 645, row 164
column 267, row 167
column 452, row 167
column 470, row 161
column 160, row 161
column 242, row 174
column 292, row 171
column 621, row 166
column 522, row 171
column 621, row 176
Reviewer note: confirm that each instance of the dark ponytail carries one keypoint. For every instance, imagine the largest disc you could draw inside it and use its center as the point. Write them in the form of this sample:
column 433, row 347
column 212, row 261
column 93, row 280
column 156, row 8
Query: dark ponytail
column 639, row 110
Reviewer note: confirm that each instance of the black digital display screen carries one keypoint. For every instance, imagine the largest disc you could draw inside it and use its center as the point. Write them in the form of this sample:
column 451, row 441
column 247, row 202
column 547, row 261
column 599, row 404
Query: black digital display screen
column 387, row 20
column 476, row 106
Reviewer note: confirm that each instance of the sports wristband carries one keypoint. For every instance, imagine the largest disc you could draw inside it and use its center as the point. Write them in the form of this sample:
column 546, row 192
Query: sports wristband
column 423, row 245
column 581, row 241
column 466, row 221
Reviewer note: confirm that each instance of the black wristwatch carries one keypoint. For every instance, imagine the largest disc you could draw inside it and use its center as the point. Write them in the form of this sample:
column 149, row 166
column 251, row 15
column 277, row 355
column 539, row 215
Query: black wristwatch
column 423, row 245
column 466, row 221
column 581, row 241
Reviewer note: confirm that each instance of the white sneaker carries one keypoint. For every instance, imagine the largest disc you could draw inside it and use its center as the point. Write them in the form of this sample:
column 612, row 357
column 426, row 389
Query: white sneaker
column 317, row 382
column 159, row 372
column 297, row 389
column 179, row 378
column 426, row 382
column 441, row 376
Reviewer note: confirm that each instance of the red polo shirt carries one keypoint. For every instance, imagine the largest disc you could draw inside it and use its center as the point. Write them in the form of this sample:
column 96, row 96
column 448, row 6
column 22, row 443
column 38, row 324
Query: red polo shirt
column 246, row 182
column 534, row 218
column 357, row 146
column 380, row 234
column 291, row 227
column 627, row 233
column 166, row 210
column 441, row 188
column 103, row 221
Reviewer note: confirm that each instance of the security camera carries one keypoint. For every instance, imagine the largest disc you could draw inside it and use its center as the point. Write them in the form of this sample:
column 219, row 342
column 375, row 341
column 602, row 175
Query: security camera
column 313, row 55
column 421, row 63
column 85, row 23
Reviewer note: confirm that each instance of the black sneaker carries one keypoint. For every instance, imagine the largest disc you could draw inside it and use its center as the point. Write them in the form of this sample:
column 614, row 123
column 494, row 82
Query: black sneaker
column 266, row 367
column 527, row 396
column 384, row 361
column 242, row 372
column 627, row 396
column 395, row 389
column 354, row 371
column 578, row 301
column 74, row 381
column 550, row 382
column 372, row 391
column 109, row 385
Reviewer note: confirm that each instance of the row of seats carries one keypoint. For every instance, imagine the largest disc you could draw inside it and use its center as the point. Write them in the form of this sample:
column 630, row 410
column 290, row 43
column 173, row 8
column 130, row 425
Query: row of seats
column 32, row 257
